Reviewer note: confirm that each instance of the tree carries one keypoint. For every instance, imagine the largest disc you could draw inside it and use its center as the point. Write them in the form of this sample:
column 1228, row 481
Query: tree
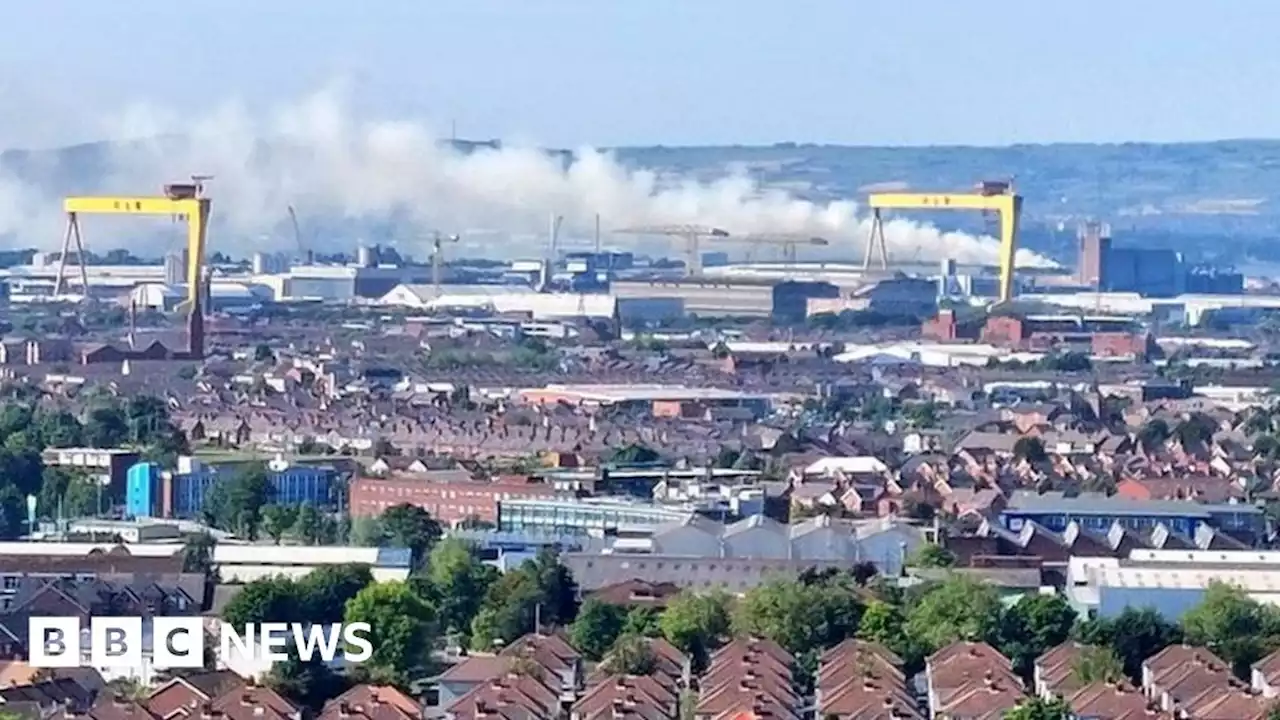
column 308, row 683
column 1037, row 708
column 325, row 591
column 236, row 503
column 1154, row 434
column 885, row 623
column 799, row 616
column 268, row 600
column 541, row 590
column 458, row 582
column 403, row 627
column 643, row 621
column 1135, row 635
column 197, row 553
column 308, row 525
column 930, row 555
column 598, row 625
column 957, row 609
column 263, row 353
column 1030, row 449
column 630, row 655
column 278, row 520
column 411, row 527
column 634, row 455
column 696, row 624
column 1097, row 664
column 1233, row 625
column 365, row 531
column 1033, row 625
column 13, row 512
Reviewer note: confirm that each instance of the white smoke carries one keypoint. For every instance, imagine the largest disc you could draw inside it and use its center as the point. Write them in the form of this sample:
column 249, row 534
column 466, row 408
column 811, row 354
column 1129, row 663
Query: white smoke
column 318, row 157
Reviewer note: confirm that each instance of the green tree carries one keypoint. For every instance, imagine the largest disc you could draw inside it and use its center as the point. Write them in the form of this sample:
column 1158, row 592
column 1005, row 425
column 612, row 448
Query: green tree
column 1033, row 625
column 59, row 429
column 278, row 520
column 1135, row 635
column 13, row 512
column 1233, row 625
column 308, row 683
column 559, row 591
column 540, row 590
column 696, row 624
column 930, row 555
column 1037, row 708
column 263, row 353
column 366, row 531
column 325, row 591
column 630, row 655
column 643, row 621
column 197, row 553
column 412, row 527
column 274, row 599
column 235, row 503
column 106, row 427
column 403, row 628
column 799, row 616
column 1030, row 449
column 1097, row 664
column 458, row 583
column 634, row 455
column 885, row 623
column 959, row 608
column 308, row 526
column 597, row 627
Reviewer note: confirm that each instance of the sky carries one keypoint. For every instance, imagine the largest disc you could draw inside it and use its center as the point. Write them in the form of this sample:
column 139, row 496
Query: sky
column 671, row 72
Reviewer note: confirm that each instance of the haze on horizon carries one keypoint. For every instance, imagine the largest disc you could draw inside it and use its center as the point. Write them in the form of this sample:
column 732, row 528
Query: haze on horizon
column 574, row 73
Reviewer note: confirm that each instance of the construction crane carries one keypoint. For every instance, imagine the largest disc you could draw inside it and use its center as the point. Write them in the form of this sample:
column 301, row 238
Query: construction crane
column 996, row 197
column 437, row 258
column 297, row 237
column 184, row 202
column 691, row 234
column 790, row 243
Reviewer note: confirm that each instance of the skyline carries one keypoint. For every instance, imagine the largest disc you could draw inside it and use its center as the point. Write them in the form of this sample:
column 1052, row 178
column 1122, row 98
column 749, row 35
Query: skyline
column 720, row 73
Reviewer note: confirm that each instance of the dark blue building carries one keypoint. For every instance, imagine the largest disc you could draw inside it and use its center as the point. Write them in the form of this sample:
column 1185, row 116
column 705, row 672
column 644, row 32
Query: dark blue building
column 148, row 493
column 1097, row 512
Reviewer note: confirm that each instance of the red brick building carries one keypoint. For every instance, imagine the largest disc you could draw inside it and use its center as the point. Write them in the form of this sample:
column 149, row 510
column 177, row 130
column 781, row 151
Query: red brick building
column 1097, row 336
column 450, row 501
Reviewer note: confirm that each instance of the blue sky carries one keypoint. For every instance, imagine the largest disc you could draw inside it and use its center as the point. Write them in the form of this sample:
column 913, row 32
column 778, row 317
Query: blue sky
column 674, row 72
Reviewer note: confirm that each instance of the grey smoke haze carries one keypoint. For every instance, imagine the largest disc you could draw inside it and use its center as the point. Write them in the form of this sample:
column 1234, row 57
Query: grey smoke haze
column 317, row 156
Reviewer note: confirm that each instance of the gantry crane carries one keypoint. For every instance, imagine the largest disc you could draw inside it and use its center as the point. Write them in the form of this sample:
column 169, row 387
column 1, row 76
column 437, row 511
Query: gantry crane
column 437, row 258
column 184, row 202
column 692, row 235
column 988, row 197
column 790, row 243
column 297, row 236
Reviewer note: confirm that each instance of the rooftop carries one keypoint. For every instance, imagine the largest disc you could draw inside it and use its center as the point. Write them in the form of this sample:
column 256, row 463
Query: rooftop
column 1025, row 501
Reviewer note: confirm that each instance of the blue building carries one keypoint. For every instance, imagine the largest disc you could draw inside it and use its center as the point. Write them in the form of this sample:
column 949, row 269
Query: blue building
column 1097, row 512
column 144, row 490
column 182, row 495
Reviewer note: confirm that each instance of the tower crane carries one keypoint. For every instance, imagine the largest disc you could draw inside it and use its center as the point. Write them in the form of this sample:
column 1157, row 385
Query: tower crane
column 691, row 234
column 790, row 242
column 996, row 197
column 437, row 258
column 297, row 235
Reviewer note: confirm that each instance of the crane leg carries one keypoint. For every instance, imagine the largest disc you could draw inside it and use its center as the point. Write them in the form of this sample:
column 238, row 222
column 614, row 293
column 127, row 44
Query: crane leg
column 60, row 279
column 80, row 255
column 1010, row 218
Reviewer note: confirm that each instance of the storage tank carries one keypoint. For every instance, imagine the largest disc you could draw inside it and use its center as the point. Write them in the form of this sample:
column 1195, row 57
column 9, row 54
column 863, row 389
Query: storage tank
column 366, row 257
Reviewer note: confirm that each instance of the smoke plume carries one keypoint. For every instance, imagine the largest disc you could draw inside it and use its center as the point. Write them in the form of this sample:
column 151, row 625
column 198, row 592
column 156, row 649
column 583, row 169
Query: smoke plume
column 318, row 157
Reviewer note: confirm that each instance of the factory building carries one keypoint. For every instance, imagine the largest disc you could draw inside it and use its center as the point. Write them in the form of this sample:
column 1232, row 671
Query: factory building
column 1097, row 336
column 1150, row 272
column 704, row 297
column 221, row 296
column 149, row 492
column 892, row 296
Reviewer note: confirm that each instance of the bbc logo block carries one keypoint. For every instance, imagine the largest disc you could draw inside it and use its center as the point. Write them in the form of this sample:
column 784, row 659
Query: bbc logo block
column 173, row 643
column 61, row 642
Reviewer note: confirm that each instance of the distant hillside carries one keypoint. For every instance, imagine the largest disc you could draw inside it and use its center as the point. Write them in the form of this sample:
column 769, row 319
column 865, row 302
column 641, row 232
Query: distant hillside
column 1210, row 200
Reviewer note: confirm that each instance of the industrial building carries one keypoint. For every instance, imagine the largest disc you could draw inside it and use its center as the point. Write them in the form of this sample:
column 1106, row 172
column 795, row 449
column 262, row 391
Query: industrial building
column 1149, row 272
column 1170, row 581
column 657, row 400
column 705, row 297
column 149, row 492
column 1095, row 511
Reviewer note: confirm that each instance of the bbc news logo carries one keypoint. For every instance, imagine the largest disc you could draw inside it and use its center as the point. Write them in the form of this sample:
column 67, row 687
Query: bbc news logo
column 178, row 642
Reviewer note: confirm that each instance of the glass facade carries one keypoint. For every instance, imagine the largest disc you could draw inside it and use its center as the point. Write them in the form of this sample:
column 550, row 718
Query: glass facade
column 562, row 517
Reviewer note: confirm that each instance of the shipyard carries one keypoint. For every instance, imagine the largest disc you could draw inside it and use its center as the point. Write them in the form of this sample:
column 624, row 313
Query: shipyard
column 603, row 364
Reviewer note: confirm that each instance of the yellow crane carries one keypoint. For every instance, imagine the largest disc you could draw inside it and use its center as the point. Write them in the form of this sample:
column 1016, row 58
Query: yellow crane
column 184, row 202
column 691, row 234
column 790, row 243
column 996, row 197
